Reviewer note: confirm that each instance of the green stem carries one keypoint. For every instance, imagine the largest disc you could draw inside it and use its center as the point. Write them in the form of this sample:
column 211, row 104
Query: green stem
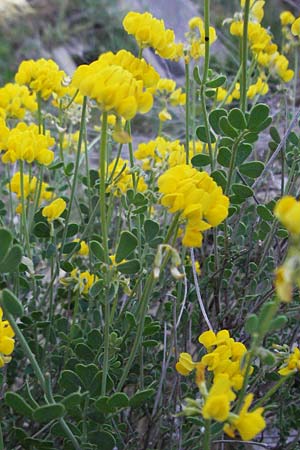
column 243, row 100
column 76, row 170
column 103, row 219
column 187, row 111
column 206, row 437
column 207, row 43
column 140, row 328
column 23, row 213
column 273, row 390
column 1, row 439
column 232, row 163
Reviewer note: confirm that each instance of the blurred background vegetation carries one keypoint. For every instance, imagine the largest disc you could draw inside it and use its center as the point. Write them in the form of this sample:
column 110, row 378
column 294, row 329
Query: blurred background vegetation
column 77, row 31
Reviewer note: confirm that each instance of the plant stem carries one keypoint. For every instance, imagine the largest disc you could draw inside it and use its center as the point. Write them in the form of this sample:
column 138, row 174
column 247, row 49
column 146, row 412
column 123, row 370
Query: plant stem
column 23, row 212
column 187, row 111
column 243, row 101
column 273, row 390
column 206, row 437
column 103, row 220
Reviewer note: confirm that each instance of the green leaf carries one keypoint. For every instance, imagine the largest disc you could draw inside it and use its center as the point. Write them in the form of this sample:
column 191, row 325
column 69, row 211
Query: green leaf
column 214, row 118
column 242, row 191
column 102, row 439
column 72, row 400
column 278, row 323
column 196, row 75
column 41, row 230
column 129, row 267
column 251, row 324
column 86, row 373
column 126, row 245
column 263, row 125
column 5, row 242
column 72, row 230
column 243, row 152
column 275, row 135
column 151, row 229
column 200, row 160
column 12, row 260
column 96, row 288
column 141, row 397
column 18, row 404
column 118, row 400
column 264, row 213
column 11, row 303
column 70, row 247
column 252, row 169
column 102, row 404
column 258, row 115
column 224, row 156
column 69, row 380
column 216, row 82
column 46, row 413
column 237, row 119
column 250, row 137
column 84, row 352
column 220, row 178
column 226, row 128
column 203, row 136
column 97, row 250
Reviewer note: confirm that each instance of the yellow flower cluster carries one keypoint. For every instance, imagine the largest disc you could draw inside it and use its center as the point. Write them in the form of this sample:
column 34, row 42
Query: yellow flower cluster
column 15, row 100
column 259, row 88
column 30, row 184
column 161, row 153
column 119, row 83
column 196, row 38
column 223, row 358
column 151, row 32
column 7, row 342
column 264, row 50
column 42, row 76
column 25, row 143
column 54, row 210
column 168, row 95
column 291, row 364
column 197, row 197
column 256, row 9
column 122, row 178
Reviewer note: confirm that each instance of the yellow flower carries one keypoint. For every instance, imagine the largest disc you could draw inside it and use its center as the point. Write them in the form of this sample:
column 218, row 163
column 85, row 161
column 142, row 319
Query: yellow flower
column 248, row 424
column 84, row 248
column 85, row 280
column 292, row 363
column 119, row 83
column 15, row 100
column 29, row 185
column 283, row 284
column 217, row 402
column 296, row 27
column 122, row 178
column 164, row 115
column 197, row 197
column 185, row 365
column 151, row 32
column 287, row 18
column 287, row 210
column 42, row 76
column 25, row 143
column 54, row 210
column 7, row 343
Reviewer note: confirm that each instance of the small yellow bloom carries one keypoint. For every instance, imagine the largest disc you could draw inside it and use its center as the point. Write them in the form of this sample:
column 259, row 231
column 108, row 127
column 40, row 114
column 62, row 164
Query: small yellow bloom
column 7, row 343
column 164, row 115
column 287, row 18
column 54, row 210
column 292, row 363
column 296, row 27
column 217, row 403
column 287, row 210
column 248, row 424
column 185, row 365
column 84, row 248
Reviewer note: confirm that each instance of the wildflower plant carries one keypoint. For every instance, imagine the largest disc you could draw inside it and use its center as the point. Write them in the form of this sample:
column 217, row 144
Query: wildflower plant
column 149, row 290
